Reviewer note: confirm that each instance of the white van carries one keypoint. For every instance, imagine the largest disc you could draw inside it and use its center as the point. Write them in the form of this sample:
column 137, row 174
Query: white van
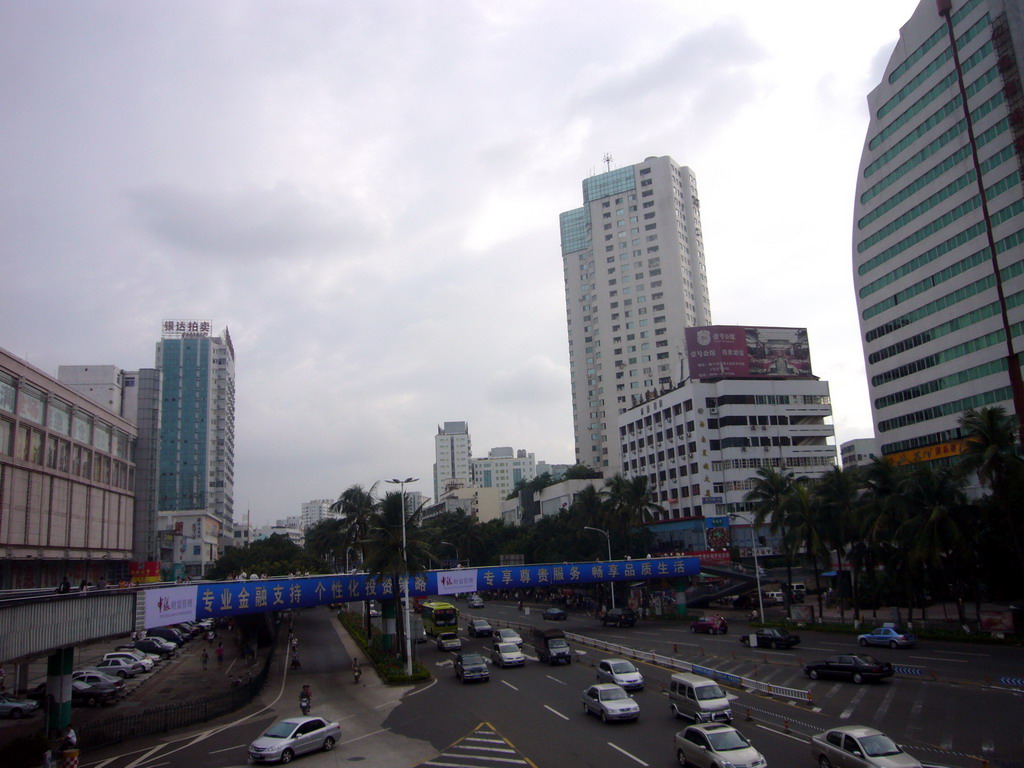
column 698, row 698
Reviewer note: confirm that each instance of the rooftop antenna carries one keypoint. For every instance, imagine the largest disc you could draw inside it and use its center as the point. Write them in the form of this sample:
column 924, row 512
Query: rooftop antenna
column 608, row 161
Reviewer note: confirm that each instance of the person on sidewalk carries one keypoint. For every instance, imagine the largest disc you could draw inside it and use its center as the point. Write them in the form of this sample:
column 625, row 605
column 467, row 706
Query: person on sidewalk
column 220, row 653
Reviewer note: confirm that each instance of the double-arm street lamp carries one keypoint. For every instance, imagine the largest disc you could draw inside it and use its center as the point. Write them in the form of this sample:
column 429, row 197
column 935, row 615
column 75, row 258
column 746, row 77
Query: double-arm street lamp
column 757, row 568
column 405, row 578
column 611, row 584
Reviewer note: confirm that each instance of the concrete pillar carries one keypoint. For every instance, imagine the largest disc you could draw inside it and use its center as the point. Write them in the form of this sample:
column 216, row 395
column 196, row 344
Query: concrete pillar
column 59, row 667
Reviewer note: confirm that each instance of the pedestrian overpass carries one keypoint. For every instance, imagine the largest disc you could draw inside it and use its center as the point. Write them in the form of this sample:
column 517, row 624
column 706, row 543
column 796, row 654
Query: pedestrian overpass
column 34, row 624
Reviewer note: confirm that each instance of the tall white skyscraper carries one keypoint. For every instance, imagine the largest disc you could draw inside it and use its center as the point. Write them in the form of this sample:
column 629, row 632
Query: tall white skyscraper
column 933, row 324
column 453, row 453
column 633, row 263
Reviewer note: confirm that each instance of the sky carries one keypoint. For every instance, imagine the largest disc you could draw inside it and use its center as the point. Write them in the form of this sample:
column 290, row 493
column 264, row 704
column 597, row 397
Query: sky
column 367, row 195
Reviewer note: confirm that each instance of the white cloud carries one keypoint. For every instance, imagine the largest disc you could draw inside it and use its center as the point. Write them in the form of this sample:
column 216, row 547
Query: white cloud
column 368, row 195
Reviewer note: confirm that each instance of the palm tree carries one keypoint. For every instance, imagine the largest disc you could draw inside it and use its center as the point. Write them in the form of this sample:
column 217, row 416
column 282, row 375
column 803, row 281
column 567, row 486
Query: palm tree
column 840, row 493
column 771, row 488
column 629, row 505
column 881, row 515
column 326, row 540
column 394, row 551
column 991, row 453
column 803, row 520
column 356, row 509
column 589, row 505
column 938, row 533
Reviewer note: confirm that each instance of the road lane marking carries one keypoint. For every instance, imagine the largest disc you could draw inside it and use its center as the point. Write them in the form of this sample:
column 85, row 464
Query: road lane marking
column 879, row 715
column 506, row 682
column 560, row 682
column 227, row 749
column 555, row 712
column 930, row 658
column 631, row 757
column 853, row 704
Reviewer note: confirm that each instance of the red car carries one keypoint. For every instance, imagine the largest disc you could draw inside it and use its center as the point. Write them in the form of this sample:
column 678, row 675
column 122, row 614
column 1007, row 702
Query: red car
column 710, row 625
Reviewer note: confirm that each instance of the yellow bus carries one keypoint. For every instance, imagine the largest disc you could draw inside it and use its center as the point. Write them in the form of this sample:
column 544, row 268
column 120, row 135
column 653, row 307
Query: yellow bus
column 439, row 617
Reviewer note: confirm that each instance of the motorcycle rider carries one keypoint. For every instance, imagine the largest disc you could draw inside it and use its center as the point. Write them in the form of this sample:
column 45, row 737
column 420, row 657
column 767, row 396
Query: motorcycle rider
column 305, row 699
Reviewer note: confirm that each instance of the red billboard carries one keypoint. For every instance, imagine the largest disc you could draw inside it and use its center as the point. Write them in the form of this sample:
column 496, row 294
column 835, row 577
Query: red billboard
column 742, row 352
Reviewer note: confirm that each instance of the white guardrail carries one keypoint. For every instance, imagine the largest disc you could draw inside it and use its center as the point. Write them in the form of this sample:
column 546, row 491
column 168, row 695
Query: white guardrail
column 795, row 694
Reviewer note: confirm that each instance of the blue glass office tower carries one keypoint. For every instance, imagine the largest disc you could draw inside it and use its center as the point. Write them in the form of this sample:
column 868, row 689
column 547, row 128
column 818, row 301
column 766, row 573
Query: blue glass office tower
column 197, row 425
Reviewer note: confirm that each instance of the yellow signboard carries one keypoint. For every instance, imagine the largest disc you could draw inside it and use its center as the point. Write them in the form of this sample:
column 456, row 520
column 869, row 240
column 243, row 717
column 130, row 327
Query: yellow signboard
column 928, row 453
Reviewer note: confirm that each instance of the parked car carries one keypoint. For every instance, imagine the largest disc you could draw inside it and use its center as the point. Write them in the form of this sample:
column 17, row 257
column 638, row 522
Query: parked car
column 508, row 635
column 554, row 614
column 124, row 668
column 771, row 637
column 82, row 693
column 449, row 641
column 163, row 648
column 860, row 746
column 621, row 672
column 610, row 702
column 16, row 708
column 471, row 666
column 619, row 617
column 170, row 634
column 508, row 655
column 147, row 664
column 710, row 625
column 95, row 677
column 856, row 667
column 475, row 601
column 287, row 738
column 887, row 635
column 480, row 628
column 711, row 745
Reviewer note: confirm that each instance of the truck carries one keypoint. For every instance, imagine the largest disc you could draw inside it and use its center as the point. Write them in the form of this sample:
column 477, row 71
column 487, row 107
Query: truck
column 551, row 646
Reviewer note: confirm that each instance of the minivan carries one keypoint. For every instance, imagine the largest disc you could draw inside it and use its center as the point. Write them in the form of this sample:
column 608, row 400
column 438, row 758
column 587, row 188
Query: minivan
column 698, row 698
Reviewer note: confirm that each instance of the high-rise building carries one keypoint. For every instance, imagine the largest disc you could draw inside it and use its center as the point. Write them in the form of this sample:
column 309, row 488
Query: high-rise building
column 933, row 324
column 503, row 468
column 633, row 263
column 67, row 472
column 133, row 395
column 749, row 402
column 453, row 452
column 197, row 441
column 314, row 512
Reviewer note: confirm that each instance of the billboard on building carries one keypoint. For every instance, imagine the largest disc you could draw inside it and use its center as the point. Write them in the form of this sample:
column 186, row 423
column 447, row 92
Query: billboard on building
column 736, row 351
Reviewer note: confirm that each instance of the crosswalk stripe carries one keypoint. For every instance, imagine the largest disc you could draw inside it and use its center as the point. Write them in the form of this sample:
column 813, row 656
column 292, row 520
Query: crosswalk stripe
column 481, row 747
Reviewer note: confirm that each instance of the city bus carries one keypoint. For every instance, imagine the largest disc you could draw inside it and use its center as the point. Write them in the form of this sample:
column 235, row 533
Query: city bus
column 439, row 617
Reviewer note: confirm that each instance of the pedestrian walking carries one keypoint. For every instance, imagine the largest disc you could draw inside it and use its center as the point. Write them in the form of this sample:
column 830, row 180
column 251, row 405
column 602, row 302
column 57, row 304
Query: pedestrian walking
column 206, row 659
column 3, row 678
column 220, row 654
column 210, row 634
column 295, row 643
column 65, row 586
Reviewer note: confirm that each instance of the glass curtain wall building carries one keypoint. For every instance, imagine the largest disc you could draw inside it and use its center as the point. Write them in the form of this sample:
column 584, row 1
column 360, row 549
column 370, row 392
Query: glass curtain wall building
column 932, row 323
column 633, row 262
column 196, row 457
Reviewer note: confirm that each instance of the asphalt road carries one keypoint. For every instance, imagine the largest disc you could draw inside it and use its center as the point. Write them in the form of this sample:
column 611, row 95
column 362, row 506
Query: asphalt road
column 535, row 713
column 538, row 708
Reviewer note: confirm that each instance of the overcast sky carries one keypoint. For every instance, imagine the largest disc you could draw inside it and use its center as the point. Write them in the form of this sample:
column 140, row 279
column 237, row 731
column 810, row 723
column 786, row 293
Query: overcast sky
column 367, row 195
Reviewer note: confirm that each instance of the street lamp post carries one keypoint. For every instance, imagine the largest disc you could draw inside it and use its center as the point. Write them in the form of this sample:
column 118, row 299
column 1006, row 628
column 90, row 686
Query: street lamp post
column 405, row 578
column 456, row 548
column 757, row 568
column 611, row 584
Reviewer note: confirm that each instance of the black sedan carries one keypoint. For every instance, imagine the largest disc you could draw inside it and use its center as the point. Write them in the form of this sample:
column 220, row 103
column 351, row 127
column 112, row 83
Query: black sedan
column 554, row 614
column 82, row 693
column 857, row 667
column 772, row 637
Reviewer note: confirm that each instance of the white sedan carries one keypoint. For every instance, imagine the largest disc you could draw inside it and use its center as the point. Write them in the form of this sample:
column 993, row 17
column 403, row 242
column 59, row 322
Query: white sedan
column 508, row 655
column 610, row 702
